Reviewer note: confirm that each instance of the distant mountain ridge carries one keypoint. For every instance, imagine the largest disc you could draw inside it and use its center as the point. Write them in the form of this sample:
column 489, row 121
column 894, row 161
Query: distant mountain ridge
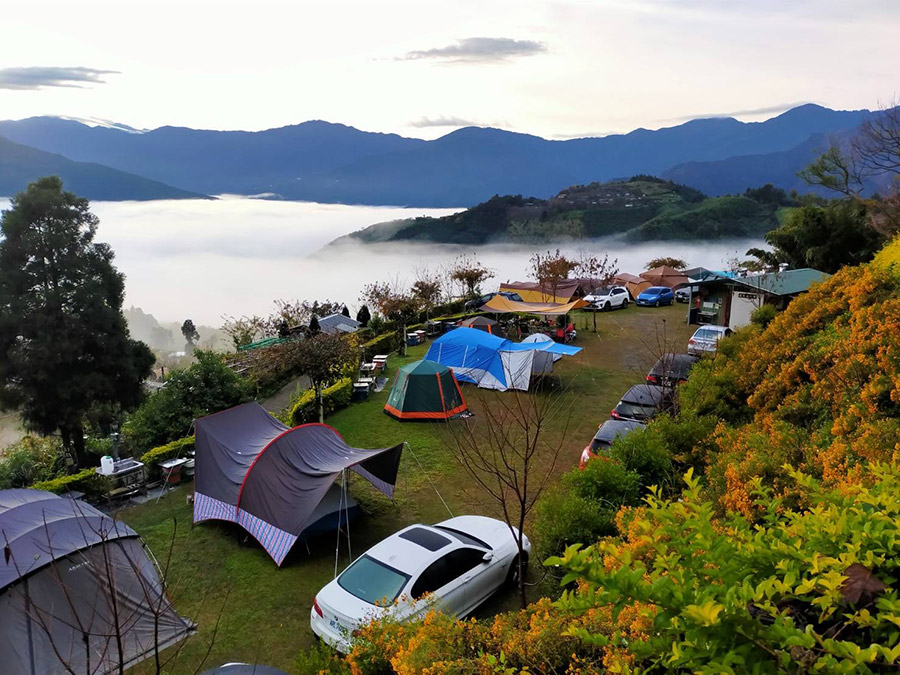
column 20, row 164
column 325, row 162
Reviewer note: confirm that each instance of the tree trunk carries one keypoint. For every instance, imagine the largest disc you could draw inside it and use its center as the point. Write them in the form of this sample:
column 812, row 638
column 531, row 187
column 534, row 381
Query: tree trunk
column 73, row 444
column 321, row 403
column 403, row 338
column 595, row 319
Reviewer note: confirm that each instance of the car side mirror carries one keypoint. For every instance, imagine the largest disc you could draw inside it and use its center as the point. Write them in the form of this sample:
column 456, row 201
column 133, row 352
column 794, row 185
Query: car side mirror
column 488, row 556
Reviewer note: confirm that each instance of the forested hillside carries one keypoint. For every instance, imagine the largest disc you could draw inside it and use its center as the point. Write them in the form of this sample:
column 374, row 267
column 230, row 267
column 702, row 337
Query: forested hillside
column 642, row 208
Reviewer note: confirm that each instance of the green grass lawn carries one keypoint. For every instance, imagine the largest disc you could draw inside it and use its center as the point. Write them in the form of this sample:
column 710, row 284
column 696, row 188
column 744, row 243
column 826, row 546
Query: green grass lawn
column 250, row 610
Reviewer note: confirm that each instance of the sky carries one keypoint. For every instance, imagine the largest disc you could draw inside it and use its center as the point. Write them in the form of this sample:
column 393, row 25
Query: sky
column 558, row 69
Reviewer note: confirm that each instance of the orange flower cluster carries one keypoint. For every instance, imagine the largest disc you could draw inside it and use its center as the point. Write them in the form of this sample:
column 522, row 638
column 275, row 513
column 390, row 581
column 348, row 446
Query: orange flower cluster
column 823, row 384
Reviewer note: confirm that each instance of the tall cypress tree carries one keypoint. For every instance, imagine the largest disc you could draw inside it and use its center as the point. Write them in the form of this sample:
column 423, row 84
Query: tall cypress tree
column 64, row 343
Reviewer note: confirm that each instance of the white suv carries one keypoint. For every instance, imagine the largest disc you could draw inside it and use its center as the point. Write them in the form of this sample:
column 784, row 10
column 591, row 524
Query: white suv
column 608, row 297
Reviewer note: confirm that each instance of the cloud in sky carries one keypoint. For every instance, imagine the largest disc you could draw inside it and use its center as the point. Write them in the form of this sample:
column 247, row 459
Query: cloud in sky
column 39, row 77
column 443, row 121
column 478, row 49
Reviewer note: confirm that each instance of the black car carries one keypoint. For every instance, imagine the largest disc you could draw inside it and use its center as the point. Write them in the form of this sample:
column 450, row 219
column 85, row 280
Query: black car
column 475, row 304
column 608, row 432
column 642, row 402
column 671, row 369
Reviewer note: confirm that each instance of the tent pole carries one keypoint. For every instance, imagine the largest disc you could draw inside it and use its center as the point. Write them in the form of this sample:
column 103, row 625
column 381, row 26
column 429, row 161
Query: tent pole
column 422, row 468
column 337, row 545
column 346, row 512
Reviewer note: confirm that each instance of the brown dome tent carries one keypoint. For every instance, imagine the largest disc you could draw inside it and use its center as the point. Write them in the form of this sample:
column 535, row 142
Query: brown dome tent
column 665, row 276
column 481, row 323
column 78, row 591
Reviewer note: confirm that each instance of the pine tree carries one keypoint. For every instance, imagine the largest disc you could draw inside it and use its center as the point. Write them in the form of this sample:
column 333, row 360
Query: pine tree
column 345, row 311
column 364, row 316
column 64, row 343
column 314, row 328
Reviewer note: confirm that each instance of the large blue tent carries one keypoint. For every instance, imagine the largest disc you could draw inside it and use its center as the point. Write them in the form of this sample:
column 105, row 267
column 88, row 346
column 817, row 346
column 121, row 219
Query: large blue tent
column 492, row 362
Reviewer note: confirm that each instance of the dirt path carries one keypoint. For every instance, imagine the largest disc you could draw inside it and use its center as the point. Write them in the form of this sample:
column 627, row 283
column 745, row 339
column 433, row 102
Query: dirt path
column 282, row 399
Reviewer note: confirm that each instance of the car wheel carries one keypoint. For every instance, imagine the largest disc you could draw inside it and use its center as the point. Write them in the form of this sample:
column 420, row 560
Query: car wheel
column 512, row 577
column 624, row 304
column 657, row 303
column 606, row 306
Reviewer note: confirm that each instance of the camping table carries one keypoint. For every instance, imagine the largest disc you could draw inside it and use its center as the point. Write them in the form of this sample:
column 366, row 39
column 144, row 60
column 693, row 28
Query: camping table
column 368, row 381
column 380, row 361
column 421, row 334
column 171, row 470
column 360, row 391
column 367, row 368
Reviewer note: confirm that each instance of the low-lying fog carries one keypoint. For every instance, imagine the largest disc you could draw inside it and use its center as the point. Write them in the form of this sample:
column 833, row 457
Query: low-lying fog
column 234, row 256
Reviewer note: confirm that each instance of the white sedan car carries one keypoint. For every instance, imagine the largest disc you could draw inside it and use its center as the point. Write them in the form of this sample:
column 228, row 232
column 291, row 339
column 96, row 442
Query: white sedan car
column 460, row 562
column 607, row 298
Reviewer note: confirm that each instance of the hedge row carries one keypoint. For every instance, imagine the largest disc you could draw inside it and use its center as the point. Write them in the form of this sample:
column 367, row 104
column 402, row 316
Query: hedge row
column 173, row 450
column 383, row 344
column 334, row 398
column 87, row 481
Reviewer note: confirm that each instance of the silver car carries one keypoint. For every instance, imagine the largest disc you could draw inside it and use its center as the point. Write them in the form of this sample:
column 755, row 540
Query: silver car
column 706, row 339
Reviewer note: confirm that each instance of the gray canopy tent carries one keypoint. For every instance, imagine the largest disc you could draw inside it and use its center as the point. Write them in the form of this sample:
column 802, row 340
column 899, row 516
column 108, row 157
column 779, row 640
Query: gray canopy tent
column 253, row 470
column 74, row 583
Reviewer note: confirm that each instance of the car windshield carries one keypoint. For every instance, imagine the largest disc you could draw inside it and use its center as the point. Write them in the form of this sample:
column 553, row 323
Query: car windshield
column 605, row 290
column 372, row 581
column 657, row 289
column 707, row 334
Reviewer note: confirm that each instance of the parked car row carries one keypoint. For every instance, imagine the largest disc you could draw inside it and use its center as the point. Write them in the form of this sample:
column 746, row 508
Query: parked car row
column 641, row 403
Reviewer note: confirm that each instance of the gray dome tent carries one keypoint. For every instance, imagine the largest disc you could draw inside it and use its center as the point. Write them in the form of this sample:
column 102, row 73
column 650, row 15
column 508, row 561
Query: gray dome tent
column 73, row 584
column 269, row 478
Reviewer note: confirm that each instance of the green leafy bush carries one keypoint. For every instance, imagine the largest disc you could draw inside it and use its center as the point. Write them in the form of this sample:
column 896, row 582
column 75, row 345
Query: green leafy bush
column 763, row 315
column 607, row 481
column 644, row 451
column 563, row 518
column 34, row 458
column 207, row 387
column 334, row 398
column 383, row 344
column 173, row 450
column 88, row 481
column 807, row 590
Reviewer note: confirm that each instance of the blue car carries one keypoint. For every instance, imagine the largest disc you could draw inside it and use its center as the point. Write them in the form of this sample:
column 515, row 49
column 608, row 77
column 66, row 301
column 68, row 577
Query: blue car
column 656, row 296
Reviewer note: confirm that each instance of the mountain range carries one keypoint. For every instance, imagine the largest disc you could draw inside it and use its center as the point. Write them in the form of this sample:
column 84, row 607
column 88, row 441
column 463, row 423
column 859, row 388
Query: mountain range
column 325, row 162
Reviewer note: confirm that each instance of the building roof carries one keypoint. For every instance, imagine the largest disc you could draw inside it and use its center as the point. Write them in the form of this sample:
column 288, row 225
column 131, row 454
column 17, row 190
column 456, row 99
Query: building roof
column 334, row 323
column 787, row 282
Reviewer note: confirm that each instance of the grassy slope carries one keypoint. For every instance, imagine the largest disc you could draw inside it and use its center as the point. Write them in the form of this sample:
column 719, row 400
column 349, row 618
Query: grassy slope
column 713, row 218
column 266, row 609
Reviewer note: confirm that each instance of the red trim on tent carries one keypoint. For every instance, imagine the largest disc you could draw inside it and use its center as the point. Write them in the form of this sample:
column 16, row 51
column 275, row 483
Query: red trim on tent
column 441, row 392
column 424, row 415
column 269, row 445
column 458, row 390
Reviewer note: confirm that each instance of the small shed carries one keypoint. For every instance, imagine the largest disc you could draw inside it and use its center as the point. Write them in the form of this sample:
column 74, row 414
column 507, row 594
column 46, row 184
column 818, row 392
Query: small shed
column 730, row 300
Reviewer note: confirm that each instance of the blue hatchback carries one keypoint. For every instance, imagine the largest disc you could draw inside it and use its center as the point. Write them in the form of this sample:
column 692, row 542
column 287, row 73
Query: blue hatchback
column 656, row 296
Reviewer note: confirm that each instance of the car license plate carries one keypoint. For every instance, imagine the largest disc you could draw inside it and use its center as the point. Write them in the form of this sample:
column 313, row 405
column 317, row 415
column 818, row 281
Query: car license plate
column 334, row 624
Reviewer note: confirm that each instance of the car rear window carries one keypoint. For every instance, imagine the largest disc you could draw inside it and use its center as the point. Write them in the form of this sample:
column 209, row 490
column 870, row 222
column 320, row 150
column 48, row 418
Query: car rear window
column 634, row 410
column 425, row 538
column 707, row 333
column 372, row 581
